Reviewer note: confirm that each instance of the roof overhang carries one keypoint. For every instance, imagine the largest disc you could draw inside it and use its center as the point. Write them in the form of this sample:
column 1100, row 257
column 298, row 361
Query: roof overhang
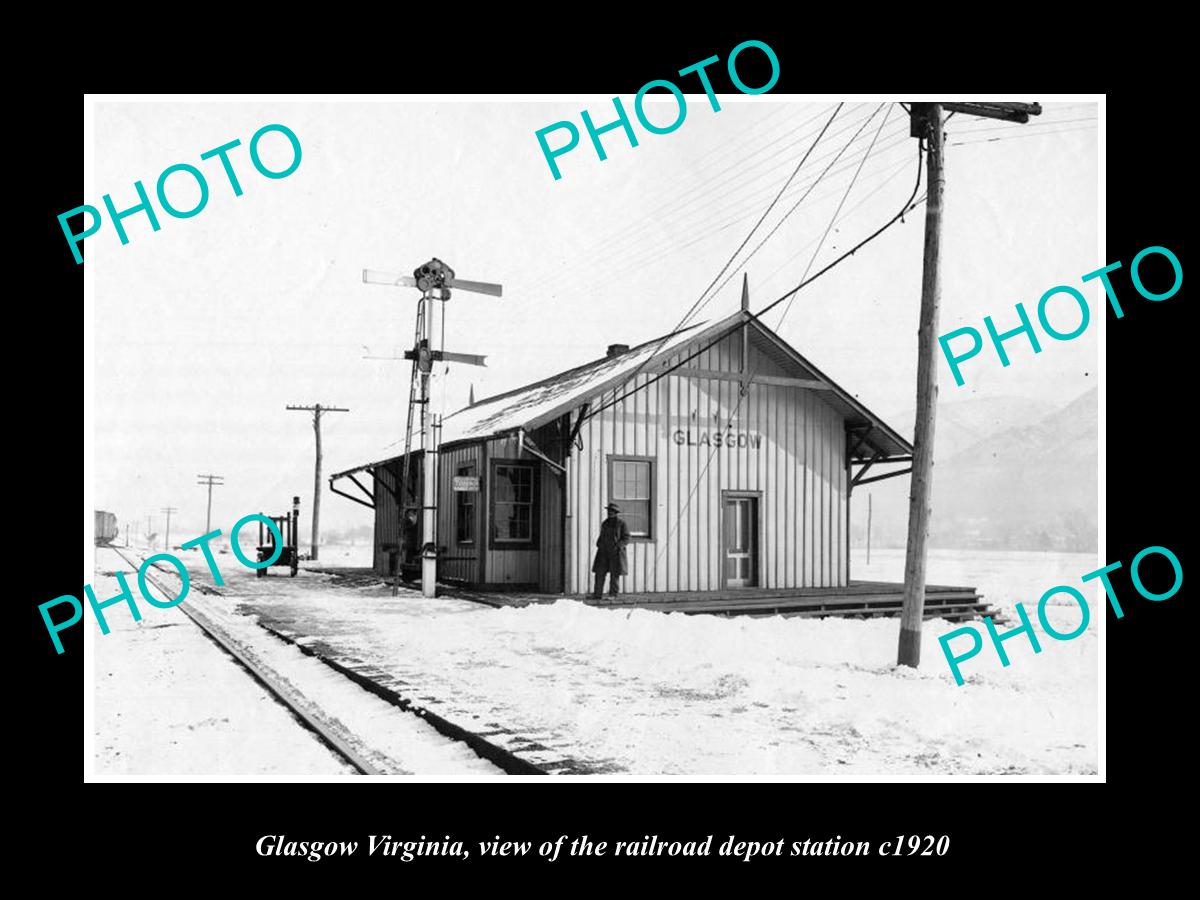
column 370, row 469
column 875, row 439
column 870, row 440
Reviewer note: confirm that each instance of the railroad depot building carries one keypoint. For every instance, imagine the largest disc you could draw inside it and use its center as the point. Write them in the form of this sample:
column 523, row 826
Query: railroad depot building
column 731, row 456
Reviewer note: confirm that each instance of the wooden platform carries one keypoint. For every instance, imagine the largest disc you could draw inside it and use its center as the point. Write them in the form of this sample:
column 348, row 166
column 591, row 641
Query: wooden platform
column 860, row 599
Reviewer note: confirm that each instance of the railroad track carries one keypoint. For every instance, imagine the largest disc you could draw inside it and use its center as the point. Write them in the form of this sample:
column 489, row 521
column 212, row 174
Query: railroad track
column 262, row 674
column 331, row 735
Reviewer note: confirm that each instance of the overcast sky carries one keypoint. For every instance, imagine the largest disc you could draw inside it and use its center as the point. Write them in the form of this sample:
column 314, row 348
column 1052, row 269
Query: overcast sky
column 208, row 328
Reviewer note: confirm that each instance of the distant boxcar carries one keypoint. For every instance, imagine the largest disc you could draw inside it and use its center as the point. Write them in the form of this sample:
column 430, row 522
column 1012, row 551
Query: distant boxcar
column 106, row 527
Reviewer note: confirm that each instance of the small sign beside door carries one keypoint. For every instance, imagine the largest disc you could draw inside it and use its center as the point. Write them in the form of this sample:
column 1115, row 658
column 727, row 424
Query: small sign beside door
column 469, row 483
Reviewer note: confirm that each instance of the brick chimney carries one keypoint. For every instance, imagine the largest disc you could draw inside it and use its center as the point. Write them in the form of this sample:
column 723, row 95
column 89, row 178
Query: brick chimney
column 615, row 350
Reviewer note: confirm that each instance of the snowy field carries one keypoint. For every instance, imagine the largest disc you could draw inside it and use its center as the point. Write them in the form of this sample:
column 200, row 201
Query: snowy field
column 350, row 556
column 648, row 692
column 1003, row 577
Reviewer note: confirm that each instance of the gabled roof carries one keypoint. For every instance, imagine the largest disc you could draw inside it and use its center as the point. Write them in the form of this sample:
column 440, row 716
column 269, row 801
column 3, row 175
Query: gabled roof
column 877, row 435
column 534, row 405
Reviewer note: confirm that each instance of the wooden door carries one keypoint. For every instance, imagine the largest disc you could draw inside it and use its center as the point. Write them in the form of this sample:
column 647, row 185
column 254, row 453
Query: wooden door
column 740, row 540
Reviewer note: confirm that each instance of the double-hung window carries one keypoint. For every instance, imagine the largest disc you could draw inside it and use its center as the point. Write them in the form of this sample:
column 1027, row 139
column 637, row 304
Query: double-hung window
column 514, row 503
column 631, row 487
column 464, row 511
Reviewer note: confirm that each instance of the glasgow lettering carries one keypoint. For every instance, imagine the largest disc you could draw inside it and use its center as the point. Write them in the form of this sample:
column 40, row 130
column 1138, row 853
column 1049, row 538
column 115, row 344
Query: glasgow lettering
column 703, row 438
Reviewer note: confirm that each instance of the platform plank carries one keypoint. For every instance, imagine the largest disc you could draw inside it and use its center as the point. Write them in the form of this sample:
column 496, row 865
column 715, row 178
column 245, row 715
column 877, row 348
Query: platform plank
column 858, row 599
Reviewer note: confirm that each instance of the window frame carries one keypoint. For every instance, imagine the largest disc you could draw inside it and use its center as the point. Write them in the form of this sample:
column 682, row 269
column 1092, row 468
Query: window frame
column 467, row 469
column 649, row 537
column 495, row 543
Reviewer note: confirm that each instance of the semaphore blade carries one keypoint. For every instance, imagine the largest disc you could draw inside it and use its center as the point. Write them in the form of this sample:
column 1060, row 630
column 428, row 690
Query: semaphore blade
column 373, row 276
column 478, row 287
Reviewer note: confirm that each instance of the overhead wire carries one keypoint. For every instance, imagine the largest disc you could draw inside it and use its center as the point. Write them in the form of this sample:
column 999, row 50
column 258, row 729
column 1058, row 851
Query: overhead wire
column 907, row 207
column 735, row 148
column 1041, row 123
column 680, row 239
column 730, row 148
column 1013, row 137
column 631, row 268
column 694, row 188
column 904, row 209
column 734, row 186
column 682, row 201
column 818, row 179
column 762, row 218
column 895, row 172
column 899, row 128
column 700, row 301
column 745, row 198
column 749, row 188
column 703, row 235
column 689, row 185
column 833, row 218
column 745, row 385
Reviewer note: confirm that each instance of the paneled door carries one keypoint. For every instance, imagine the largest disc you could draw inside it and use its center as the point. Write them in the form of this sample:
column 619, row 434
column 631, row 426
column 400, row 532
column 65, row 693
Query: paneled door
column 740, row 532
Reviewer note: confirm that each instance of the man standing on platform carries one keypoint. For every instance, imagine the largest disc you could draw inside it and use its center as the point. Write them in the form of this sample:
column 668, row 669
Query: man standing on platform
column 610, row 552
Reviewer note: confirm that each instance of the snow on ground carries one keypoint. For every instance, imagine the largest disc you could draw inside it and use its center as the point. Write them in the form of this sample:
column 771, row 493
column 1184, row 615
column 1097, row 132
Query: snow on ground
column 169, row 701
column 358, row 555
column 651, row 692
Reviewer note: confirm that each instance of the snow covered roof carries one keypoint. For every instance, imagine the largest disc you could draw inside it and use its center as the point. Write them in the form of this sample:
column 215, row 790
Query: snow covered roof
column 535, row 404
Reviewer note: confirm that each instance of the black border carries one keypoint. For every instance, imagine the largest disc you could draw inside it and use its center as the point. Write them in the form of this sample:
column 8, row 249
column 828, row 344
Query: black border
column 1008, row 831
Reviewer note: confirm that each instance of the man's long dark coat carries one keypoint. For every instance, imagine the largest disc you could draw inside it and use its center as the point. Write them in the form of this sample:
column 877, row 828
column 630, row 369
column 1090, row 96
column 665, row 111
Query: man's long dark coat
column 610, row 547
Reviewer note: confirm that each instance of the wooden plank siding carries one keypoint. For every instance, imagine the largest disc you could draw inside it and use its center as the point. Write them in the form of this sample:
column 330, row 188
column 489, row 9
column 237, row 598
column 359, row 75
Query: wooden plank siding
column 459, row 561
column 788, row 453
column 387, row 514
column 792, row 457
column 480, row 562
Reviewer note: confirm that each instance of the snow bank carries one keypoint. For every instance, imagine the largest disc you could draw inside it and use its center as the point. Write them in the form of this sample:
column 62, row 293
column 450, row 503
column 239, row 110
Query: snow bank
column 650, row 692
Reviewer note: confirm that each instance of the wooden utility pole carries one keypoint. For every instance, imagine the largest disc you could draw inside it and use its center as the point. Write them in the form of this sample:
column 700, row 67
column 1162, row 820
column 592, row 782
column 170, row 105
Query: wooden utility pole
column 168, row 510
column 318, row 410
column 210, row 480
column 926, row 124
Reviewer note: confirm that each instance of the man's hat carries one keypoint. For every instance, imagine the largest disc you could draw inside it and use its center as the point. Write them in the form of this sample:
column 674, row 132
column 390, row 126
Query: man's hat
column 612, row 507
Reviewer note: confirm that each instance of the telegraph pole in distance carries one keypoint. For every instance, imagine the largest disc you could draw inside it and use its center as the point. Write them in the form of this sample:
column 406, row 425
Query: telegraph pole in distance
column 926, row 123
column 168, row 510
column 210, row 480
column 318, row 410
